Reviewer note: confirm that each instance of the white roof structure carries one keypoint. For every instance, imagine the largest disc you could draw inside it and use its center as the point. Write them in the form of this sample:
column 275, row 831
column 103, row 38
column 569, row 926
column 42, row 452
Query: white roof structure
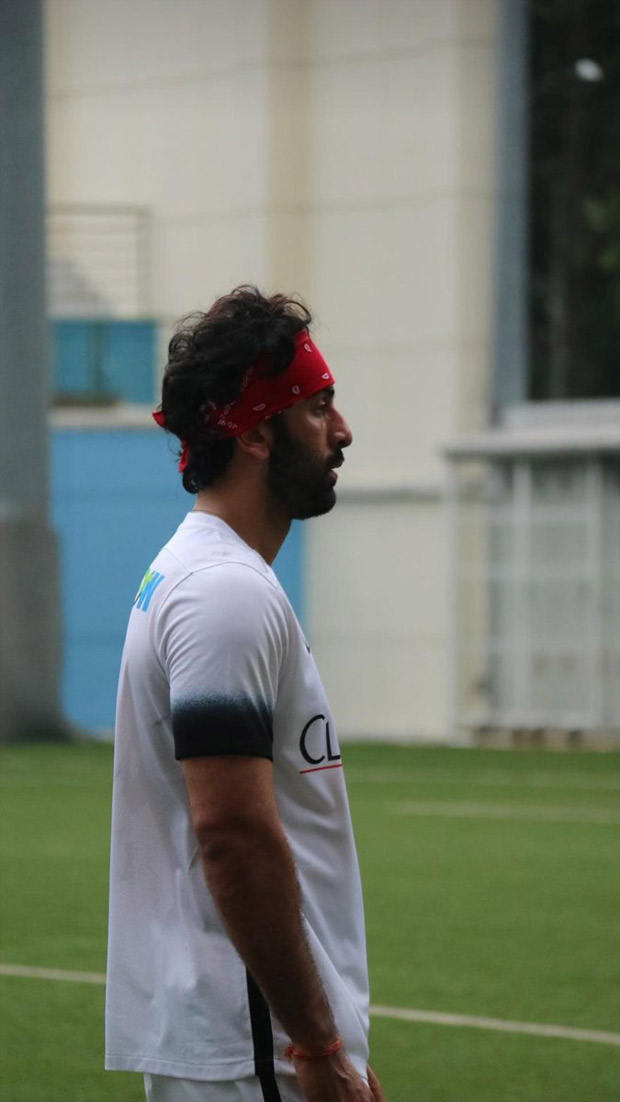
column 546, row 429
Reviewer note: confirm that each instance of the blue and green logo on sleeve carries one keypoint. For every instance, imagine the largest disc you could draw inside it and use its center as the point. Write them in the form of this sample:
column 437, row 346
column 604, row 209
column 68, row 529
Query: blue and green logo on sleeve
column 148, row 585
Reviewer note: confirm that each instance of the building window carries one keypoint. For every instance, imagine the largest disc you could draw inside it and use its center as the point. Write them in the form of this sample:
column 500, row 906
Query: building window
column 574, row 198
column 101, row 361
column 104, row 339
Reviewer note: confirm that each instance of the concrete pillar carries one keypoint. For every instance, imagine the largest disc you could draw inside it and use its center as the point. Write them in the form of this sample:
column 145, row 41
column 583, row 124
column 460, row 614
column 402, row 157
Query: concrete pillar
column 29, row 606
column 290, row 159
column 510, row 374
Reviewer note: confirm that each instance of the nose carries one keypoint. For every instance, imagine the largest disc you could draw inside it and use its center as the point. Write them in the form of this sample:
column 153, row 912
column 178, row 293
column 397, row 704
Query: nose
column 342, row 432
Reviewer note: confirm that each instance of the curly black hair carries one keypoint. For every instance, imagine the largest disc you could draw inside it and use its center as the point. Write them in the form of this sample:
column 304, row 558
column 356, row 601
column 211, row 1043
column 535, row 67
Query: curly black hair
column 207, row 359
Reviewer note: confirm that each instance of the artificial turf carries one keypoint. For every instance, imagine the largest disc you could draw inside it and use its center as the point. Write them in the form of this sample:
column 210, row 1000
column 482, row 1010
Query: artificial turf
column 491, row 884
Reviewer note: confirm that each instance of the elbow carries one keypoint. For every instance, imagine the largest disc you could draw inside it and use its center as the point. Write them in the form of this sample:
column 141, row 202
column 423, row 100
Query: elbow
column 221, row 841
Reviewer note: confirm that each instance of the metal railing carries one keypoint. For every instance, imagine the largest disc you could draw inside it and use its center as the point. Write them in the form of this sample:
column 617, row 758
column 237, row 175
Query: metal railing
column 98, row 261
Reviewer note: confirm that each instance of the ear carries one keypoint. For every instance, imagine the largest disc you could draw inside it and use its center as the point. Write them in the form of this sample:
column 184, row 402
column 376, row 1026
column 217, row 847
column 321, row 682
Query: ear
column 257, row 442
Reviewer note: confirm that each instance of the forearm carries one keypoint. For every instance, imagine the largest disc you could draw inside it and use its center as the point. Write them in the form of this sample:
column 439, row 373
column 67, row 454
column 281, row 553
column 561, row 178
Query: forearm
column 251, row 875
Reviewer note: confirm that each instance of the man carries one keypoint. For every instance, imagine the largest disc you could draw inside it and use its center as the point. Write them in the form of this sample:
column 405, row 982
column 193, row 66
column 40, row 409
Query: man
column 236, row 966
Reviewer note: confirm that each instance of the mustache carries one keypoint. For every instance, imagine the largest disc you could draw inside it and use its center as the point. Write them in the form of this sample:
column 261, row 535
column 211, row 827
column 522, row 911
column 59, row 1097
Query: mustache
column 336, row 461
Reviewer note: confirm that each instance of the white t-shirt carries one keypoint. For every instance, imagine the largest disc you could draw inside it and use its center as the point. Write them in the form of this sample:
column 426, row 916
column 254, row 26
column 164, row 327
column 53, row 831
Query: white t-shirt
column 215, row 662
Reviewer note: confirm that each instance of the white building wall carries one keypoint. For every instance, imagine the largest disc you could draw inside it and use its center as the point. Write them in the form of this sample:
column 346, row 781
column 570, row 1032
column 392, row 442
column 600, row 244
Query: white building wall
column 341, row 148
column 165, row 103
column 399, row 271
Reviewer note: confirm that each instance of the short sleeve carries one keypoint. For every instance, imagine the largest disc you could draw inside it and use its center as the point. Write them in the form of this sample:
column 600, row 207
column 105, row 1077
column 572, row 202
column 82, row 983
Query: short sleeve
column 223, row 639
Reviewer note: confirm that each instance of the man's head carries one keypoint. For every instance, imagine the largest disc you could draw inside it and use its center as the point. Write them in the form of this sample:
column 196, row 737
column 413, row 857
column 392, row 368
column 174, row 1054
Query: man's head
column 251, row 355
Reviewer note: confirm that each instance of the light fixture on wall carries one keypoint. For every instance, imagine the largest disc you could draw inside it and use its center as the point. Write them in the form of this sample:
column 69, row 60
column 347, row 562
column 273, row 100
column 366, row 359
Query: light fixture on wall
column 589, row 70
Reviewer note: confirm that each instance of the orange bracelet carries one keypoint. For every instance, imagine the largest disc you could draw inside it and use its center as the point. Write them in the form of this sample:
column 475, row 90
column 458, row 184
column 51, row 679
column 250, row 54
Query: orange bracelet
column 298, row 1053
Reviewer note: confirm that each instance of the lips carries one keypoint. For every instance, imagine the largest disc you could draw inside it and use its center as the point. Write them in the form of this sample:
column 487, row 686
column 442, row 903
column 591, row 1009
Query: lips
column 331, row 471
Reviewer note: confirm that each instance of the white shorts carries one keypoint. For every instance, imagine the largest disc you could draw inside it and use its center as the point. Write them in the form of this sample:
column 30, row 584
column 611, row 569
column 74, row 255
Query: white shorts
column 279, row 1088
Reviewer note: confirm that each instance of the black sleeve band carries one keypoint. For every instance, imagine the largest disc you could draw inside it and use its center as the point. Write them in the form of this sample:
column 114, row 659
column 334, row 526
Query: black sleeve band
column 217, row 725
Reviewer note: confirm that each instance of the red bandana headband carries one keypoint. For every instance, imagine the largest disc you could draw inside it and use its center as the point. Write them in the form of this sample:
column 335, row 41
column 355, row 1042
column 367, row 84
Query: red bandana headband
column 263, row 395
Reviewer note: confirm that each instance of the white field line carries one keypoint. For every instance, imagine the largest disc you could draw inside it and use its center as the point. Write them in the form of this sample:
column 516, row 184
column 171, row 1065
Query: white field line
column 50, row 974
column 532, row 1028
column 436, row 808
column 366, row 774
column 431, row 1017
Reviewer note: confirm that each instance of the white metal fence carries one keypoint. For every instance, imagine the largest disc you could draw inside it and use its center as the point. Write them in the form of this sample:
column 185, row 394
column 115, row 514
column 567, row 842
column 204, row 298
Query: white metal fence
column 535, row 583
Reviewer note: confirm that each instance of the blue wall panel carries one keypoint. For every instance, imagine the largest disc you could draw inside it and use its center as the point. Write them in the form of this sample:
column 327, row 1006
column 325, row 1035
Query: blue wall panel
column 116, row 498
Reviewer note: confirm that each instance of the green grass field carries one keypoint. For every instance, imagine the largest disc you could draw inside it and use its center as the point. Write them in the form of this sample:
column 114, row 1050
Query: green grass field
column 492, row 884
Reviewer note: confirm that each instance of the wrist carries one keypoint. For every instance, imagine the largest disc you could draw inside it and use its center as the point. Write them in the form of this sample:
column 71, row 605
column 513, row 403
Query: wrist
column 297, row 1053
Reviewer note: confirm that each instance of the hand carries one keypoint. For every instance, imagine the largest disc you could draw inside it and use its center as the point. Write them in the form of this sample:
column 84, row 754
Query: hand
column 375, row 1086
column 332, row 1079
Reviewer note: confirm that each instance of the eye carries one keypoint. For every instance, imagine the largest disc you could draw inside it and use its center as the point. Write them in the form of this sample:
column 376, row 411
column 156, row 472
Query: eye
column 324, row 402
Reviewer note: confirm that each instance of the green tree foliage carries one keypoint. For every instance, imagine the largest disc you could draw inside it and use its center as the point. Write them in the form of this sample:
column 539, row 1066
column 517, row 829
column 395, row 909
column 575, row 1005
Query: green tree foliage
column 575, row 199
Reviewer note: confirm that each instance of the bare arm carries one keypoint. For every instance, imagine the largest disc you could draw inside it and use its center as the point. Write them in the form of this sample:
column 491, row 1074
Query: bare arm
column 250, row 872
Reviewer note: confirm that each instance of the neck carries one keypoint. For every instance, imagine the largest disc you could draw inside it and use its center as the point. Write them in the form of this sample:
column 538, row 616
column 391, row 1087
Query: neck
column 255, row 520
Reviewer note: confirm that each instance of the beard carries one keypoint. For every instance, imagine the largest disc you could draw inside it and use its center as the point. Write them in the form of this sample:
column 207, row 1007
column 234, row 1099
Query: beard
column 299, row 480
